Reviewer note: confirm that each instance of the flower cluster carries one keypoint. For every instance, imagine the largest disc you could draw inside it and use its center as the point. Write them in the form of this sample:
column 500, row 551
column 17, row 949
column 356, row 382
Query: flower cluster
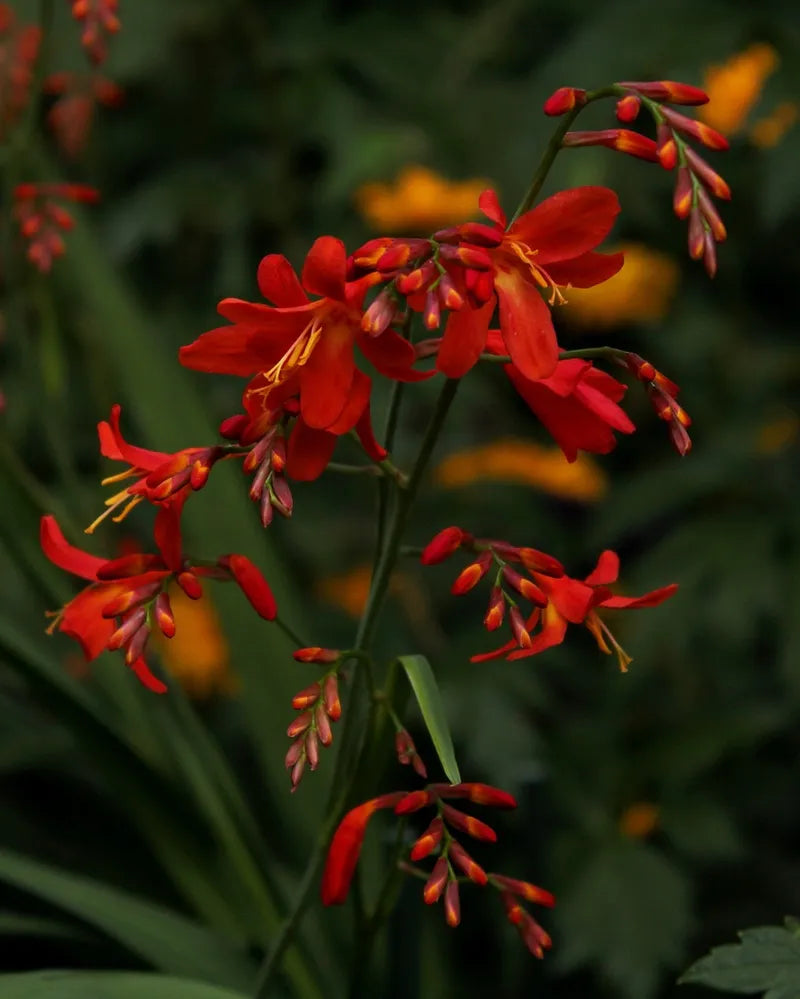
column 695, row 181
column 19, row 47
column 42, row 219
column 319, row 705
column 98, row 19
column 557, row 599
column 453, row 866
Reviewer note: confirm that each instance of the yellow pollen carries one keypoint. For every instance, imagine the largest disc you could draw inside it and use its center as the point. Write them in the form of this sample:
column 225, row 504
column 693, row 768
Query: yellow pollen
column 297, row 355
column 540, row 276
column 112, row 504
column 121, row 476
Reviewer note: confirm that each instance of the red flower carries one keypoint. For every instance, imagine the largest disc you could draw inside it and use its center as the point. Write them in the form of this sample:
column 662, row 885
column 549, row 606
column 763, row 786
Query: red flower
column 577, row 403
column 311, row 341
column 116, row 609
column 543, row 250
column 572, row 601
column 159, row 477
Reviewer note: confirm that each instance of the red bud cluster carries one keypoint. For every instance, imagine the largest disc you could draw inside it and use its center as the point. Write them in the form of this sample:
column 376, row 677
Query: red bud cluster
column 662, row 394
column 99, row 19
column 42, row 219
column 407, row 753
column 19, row 46
column 266, row 460
column 319, row 705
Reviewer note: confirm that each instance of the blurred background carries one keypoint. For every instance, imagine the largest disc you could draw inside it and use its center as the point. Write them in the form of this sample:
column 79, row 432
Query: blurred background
column 660, row 806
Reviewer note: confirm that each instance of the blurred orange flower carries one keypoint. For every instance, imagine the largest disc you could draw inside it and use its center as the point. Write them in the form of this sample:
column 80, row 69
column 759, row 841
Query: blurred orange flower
column 639, row 820
column 197, row 655
column 641, row 292
column 769, row 130
column 510, row 460
column 348, row 590
column 778, row 434
column 419, row 201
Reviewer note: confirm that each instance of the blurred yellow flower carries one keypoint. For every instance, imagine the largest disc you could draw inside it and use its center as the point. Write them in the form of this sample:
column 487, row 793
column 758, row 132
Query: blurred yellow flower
column 640, row 292
column 735, row 86
column 639, row 820
column 544, row 468
column 197, row 655
column 778, row 434
column 348, row 590
column 768, row 131
column 419, row 201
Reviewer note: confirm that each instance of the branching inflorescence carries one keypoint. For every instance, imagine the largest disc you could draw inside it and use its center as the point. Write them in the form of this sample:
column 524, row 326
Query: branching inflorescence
column 405, row 310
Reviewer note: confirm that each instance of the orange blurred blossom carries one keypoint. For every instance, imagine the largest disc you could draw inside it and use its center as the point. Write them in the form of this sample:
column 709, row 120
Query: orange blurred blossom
column 420, row 200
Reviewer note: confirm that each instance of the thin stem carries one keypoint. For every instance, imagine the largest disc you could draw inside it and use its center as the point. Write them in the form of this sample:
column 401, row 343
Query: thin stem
column 384, row 493
column 348, row 761
column 609, row 353
column 343, row 469
column 553, row 147
column 291, row 634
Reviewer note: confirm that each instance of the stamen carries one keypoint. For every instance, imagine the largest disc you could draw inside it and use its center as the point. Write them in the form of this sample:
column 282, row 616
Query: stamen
column 296, row 356
column 601, row 631
column 121, row 476
column 111, row 504
column 539, row 275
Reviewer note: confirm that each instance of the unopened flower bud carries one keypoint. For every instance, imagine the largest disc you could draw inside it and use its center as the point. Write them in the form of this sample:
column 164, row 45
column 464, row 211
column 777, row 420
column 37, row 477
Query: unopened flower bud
column 435, row 884
column 628, row 108
column 315, row 654
column 300, row 724
column 307, row 697
column 464, row 862
column 452, row 905
column 563, row 100
column 164, row 615
column 330, row 697
column 666, row 147
column 323, row 725
column 428, row 841
column 312, row 748
column 443, row 545
column 472, row 574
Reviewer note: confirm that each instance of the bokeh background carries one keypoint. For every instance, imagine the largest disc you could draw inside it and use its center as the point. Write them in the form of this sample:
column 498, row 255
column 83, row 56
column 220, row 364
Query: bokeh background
column 660, row 806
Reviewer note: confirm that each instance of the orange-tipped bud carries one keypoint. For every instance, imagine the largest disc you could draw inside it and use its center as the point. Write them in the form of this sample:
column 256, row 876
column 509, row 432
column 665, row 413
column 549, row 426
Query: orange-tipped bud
column 164, row 616
column 670, row 91
column 526, row 587
column 528, row 891
column 480, row 285
column 401, row 252
column 711, row 215
column 428, row 841
column 696, row 234
column 278, row 455
column 413, row 801
column 130, row 598
column 199, row 474
column 452, row 905
column 190, row 585
column 298, row 770
column 330, row 697
column 131, row 623
column 432, row 313
column 666, row 147
column 475, row 257
column 469, row 824
column 628, row 108
column 473, row 574
column 136, row 645
column 311, row 746
column 682, row 198
column 316, row 654
column 563, row 100
column 281, row 495
column 300, row 724
column 417, row 279
column 435, row 884
column 709, row 253
column 323, row 725
column 497, row 610
column 296, row 750
column 307, row 697
column 518, row 628
column 459, row 856
column 449, row 297
column 479, row 794
column 621, row 139
column 709, row 177
column 443, row 545
column 381, row 313
column 710, row 137
column 536, row 561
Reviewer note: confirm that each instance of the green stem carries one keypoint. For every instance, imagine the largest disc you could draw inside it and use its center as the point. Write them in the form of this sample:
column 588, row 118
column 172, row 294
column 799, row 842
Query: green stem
column 608, row 353
column 291, row 634
column 554, row 146
column 384, row 492
column 348, row 761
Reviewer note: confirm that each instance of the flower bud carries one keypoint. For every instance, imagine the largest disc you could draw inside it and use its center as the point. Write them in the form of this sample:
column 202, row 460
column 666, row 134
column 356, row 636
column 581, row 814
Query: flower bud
column 315, row 654
column 472, row 574
column 628, row 108
column 452, row 906
column 428, row 841
column 435, row 884
column 564, row 99
column 307, row 697
column 465, row 863
column 323, row 725
column 468, row 824
column 164, row 615
column 443, row 545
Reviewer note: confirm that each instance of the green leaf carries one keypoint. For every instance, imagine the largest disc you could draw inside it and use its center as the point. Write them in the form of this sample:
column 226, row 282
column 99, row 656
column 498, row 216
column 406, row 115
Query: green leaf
column 767, row 960
column 167, row 940
column 429, row 697
column 107, row 985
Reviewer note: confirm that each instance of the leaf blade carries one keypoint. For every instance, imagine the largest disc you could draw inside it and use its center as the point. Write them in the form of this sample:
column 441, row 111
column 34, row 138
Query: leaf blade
column 429, row 697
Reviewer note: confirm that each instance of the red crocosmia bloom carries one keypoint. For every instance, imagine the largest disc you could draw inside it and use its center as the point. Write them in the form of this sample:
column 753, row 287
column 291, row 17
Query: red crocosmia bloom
column 577, row 403
column 159, row 477
column 345, row 847
column 547, row 248
column 572, row 601
column 125, row 594
column 310, row 340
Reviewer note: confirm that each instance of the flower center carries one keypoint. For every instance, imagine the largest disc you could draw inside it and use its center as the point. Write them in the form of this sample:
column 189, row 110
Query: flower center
column 297, row 355
column 539, row 275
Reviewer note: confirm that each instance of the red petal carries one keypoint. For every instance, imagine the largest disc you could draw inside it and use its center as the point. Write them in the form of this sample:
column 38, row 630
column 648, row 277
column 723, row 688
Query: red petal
column 464, row 339
column 63, row 554
column 367, row 438
column 606, row 571
column 526, row 325
column 113, row 445
column 82, row 618
column 570, row 597
column 553, row 631
column 140, row 668
column 345, row 848
column 393, row 356
column 648, row 600
column 308, row 452
column 568, row 224
column 167, row 534
column 357, row 402
column 253, row 585
column 587, row 270
column 325, row 268
column 237, row 350
column 326, row 377
column 489, row 204
column 278, row 282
